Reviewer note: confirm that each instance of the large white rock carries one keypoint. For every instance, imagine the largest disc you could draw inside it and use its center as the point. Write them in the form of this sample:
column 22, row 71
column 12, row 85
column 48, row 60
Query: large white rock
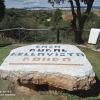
column 59, row 65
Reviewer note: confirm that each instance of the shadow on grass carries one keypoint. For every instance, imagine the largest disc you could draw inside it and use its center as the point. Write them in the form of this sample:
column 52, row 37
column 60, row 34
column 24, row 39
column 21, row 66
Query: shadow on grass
column 4, row 45
column 93, row 92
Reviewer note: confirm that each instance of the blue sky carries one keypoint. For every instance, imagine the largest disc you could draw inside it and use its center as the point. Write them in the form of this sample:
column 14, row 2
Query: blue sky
column 35, row 3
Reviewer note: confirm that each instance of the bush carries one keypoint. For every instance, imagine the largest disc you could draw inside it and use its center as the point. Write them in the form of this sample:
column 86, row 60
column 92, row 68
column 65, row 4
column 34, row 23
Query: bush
column 5, row 42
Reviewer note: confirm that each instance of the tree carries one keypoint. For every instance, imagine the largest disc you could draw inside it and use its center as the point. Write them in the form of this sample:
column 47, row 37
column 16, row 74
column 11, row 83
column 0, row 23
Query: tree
column 55, row 21
column 56, row 18
column 79, row 17
column 2, row 9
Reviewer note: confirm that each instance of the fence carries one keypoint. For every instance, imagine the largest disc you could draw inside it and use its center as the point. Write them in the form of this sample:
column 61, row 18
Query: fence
column 23, row 35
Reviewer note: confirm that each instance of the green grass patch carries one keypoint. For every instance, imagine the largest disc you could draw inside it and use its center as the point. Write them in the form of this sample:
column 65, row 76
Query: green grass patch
column 36, row 97
column 94, row 58
column 4, row 51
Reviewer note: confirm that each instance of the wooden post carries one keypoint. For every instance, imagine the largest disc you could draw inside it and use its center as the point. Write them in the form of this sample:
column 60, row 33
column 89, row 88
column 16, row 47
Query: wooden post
column 58, row 36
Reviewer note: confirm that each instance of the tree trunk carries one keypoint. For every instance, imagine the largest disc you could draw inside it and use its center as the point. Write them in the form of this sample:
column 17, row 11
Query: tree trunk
column 78, row 37
column 79, row 19
column 77, row 28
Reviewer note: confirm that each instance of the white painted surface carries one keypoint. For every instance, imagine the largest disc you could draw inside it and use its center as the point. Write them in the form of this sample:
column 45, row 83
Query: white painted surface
column 74, row 65
column 93, row 37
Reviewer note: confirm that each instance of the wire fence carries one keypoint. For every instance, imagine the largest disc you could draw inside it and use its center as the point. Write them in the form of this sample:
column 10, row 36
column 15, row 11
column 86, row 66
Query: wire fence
column 23, row 35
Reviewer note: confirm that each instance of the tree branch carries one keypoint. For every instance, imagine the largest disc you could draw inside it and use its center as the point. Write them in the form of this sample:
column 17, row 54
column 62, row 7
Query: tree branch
column 78, row 8
column 78, row 12
column 74, row 15
column 88, row 10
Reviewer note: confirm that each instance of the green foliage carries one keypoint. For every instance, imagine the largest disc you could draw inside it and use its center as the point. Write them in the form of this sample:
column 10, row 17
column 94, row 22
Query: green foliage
column 4, row 42
column 56, row 18
column 79, row 18
column 24, row 18
column 53, row 2
column 38, row 19
column 93, row 21
column 27, row 19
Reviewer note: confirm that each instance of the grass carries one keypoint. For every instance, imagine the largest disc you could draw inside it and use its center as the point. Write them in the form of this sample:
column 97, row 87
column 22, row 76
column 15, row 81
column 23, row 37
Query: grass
column 4, row 52
column 94, row 58
column 39, row 97
column 94, row 94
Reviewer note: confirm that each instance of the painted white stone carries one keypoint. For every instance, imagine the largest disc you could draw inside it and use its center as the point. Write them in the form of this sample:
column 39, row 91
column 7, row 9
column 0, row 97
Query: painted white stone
column 55, row 58
column 93, row 37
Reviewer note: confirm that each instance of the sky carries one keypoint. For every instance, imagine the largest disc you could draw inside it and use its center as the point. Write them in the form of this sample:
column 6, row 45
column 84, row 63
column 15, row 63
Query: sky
column 36, row 3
